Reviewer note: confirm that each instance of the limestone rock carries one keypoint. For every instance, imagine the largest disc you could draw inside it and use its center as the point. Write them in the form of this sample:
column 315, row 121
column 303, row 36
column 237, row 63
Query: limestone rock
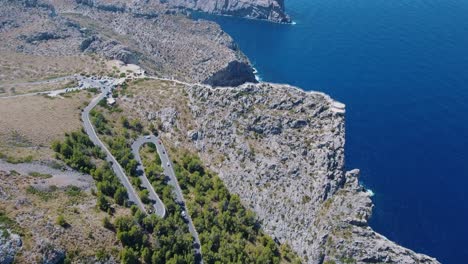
column 272, row 10
column 148, row 33
column 10, row 244
column 283, row 152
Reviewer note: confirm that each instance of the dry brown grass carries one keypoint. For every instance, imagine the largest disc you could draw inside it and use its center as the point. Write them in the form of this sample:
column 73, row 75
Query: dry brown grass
column 19, row 68
column 84, row 234
column 29, row 124
column 31, row 87
column 155, row 95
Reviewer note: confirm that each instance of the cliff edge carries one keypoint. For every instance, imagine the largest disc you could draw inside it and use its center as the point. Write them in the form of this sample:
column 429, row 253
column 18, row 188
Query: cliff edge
column 281, row 150
column 163, row 41
column 272, row 10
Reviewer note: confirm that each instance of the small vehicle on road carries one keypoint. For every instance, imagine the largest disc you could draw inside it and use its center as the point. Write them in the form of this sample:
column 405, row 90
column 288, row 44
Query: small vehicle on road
column 168, row 164
column 148, row 137
column 184, row 216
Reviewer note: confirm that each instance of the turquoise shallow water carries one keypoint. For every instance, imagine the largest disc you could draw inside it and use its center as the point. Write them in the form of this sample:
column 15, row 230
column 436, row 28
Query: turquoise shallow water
column 401, row 67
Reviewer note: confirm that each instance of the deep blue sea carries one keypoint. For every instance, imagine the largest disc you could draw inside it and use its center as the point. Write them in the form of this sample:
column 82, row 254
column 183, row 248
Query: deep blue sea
column 401, row 67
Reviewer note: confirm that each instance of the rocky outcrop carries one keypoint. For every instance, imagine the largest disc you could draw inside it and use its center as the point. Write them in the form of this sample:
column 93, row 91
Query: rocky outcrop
column 111, row 49
column 50, row 253
column 171, row 46
column 164, row 44
column 235, row 73
column 272, row 10
column 282, row 151
column 42, row 36
column 10, row 244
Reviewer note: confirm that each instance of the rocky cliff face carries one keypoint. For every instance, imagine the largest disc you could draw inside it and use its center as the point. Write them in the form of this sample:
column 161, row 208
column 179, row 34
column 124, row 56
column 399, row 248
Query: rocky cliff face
column 272, row 10
column 282, row 150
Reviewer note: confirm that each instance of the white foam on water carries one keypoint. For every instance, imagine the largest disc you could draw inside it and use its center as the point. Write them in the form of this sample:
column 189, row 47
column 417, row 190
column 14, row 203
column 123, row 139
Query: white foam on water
column 257, row 76
column 370, row 192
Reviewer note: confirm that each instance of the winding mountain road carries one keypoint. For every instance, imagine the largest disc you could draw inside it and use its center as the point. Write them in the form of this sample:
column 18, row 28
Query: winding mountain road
column 89, row 129
column 106, row 85
column 172, row 180
column 165, row 161
column 158, row 205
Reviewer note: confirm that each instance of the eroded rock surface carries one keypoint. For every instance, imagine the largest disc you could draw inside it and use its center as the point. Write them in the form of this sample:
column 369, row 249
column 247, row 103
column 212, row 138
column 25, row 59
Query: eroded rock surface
column 10, row 244
column 272, row 10
column 282, row 150
column 165, row 43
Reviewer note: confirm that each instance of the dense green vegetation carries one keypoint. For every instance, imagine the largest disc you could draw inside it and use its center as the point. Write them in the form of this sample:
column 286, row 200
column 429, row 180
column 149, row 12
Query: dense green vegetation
column 117, row 139
column 61, row 221
column 229, row 233
column 145, row 238
column 78, row 152
column 150, row 239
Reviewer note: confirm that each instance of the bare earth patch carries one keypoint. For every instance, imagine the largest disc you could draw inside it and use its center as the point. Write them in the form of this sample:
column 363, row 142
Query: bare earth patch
column 29, row 124
column 18, row 67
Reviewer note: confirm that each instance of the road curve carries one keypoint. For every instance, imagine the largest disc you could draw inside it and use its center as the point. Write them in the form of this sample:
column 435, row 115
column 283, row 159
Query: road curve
column 172, row 180
column 89, row 129
column 158, row 205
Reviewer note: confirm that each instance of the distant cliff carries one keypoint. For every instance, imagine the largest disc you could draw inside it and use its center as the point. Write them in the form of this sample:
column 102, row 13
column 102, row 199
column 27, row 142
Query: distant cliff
column 159, row 38
column 272, row 10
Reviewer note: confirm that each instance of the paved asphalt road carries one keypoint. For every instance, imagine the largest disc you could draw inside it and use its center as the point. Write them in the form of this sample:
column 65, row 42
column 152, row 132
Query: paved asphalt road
column 105, row 87
column 88, row 127
column 83, row 83
column 158, row 205
column 172, row 180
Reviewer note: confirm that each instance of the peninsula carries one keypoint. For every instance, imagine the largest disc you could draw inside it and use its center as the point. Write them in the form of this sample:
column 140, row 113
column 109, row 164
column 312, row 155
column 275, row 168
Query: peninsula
column 184, row 156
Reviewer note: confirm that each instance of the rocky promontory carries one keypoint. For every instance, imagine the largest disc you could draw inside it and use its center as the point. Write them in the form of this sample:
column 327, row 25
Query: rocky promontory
column 165, row 43
column 281, row 150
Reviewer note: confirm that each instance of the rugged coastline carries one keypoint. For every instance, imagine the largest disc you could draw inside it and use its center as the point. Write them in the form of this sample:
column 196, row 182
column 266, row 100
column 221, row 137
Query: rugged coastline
column 282, row 150
column 271, row 10
column 279, row 148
